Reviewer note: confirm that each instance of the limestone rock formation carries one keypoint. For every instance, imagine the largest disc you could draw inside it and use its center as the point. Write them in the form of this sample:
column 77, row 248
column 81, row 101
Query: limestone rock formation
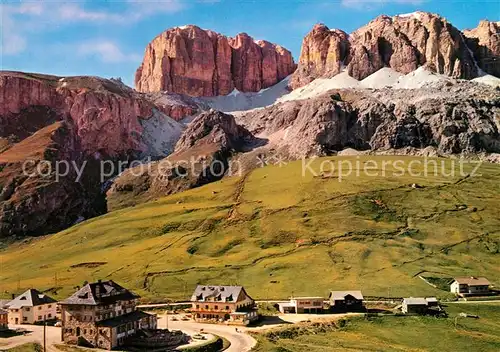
column 402, row 42
column 484, row 41
column 192, row 61
column 323, row 53
column 78, row 120
column 454, row 119
column 201, row 156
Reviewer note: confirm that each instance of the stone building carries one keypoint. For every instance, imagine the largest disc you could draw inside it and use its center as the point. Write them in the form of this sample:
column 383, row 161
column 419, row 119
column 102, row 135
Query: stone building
column 227, row 304
column 102, row 314
column 31, row 307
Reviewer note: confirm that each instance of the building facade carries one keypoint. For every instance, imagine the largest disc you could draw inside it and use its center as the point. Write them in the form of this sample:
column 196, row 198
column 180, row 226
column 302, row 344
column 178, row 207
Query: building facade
column 31, row 307
column 103, row 315
column 227, row 304
column 301, row 305
column 419, row 305
column 4, row 320
column 470, row 286
column 346, row 301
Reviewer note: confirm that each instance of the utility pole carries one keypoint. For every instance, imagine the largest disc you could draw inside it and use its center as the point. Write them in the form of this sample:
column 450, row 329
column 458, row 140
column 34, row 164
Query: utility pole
column 44, row 333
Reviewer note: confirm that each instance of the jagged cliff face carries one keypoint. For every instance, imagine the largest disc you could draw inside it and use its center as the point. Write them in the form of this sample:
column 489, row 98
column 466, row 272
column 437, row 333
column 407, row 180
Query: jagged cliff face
column 323, row 53
column 450, row 119
column 484, row 41
column 81, row 120
column 201, row 155
column 402, row 42
column 190, row 60
column 105, row 116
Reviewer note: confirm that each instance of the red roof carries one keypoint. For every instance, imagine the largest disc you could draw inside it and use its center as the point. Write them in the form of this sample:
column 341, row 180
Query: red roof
column 473, row 281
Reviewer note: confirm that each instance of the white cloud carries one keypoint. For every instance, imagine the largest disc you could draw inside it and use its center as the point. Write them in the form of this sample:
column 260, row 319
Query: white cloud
column 143, row 8
column 19, row 19
column 135, row 10
column 106, row 50
column 75, row 12
column 12, row 38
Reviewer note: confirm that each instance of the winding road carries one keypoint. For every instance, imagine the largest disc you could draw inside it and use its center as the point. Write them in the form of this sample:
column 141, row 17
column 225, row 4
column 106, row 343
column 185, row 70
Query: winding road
column 240, row 341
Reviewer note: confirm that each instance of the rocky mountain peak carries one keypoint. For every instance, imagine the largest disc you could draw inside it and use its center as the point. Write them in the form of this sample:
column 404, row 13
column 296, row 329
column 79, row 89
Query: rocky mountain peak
column 403, row 43
column 484, row 41
column 197, row 62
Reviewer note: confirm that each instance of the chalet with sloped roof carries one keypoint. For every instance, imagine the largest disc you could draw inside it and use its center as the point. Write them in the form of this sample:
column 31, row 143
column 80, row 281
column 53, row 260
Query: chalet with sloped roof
column 470, row 286
column 31, row 307
column 346, row 301
column 102, row 314
column 224, row 304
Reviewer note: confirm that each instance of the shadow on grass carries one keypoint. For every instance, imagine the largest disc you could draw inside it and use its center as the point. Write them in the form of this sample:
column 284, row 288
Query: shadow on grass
column 12, row 333
column 268, row 321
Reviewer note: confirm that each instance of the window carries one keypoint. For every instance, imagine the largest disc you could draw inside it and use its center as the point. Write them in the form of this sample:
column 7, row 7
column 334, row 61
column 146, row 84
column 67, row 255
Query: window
column 197, row 306
column 227, row 307
column 39, row 317
column 25, row 318
column 39, row 307
column 50, row 306
column 206, row 306
column 27, row 309
column 85, row 331
column 49, row 315
column 216, row 307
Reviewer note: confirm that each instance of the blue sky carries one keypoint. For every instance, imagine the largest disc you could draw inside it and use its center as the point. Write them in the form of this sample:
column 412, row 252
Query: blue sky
column 107, row 38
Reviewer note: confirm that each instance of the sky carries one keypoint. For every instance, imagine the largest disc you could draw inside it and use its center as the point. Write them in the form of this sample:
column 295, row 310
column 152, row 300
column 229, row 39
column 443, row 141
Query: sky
column 107, row 38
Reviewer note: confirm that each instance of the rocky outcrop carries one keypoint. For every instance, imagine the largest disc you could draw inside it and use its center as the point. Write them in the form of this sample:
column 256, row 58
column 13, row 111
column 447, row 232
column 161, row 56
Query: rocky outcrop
column 201, row 156
column 401, row 42
column 37, row 199
column 190, row 60
column 484, row 41
column 323, row 54
column 454, row 119
column 46, row 120
column 105, row 116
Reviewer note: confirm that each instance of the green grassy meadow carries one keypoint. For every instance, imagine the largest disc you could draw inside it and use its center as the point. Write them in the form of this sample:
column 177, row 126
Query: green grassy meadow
column 394, row 333
column 278, row 233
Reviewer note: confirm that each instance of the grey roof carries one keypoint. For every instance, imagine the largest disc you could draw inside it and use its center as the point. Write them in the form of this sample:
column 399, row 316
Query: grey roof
column 204, row 293
column 418, row 301
column 124, row 319
column 431, row 299
column 341, row 295
column 100, row 293
column 4, row 303
column 473, row 281
column 30, row 298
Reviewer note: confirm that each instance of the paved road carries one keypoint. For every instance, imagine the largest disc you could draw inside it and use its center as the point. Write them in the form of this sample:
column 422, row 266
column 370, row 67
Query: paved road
column 35, row 335
column 240, row 341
